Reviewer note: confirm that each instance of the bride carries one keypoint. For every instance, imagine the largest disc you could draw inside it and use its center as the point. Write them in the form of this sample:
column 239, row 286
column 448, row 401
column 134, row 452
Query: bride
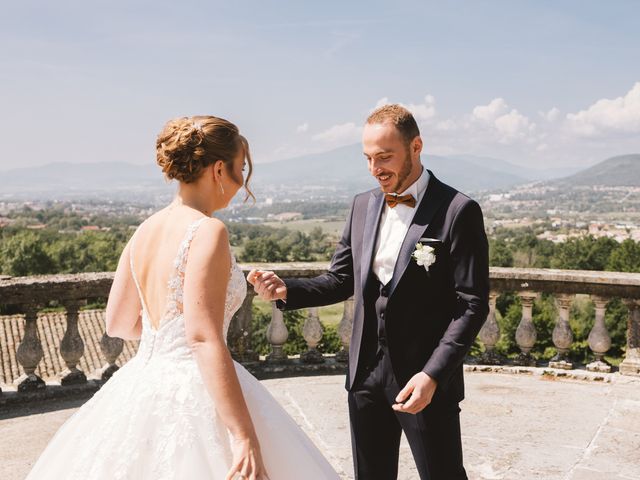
column 182, row 408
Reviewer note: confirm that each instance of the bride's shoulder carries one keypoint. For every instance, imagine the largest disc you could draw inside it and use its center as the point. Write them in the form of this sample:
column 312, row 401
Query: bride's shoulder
column 214, row 227
column 211, row 238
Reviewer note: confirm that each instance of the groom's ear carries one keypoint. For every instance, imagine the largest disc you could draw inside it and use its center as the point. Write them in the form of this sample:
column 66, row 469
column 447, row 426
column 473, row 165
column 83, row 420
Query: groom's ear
column 416, row 146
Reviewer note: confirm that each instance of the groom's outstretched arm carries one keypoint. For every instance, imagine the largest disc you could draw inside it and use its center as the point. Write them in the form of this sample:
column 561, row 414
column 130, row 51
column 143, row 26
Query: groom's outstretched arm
column 332, row 287
column 470, row 263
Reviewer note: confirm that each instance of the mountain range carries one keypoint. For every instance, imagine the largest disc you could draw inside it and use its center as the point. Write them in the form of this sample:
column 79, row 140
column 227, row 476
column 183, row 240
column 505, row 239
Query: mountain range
column 343, row 169
column 620, row 171
column 85, row 177
column 346, row 167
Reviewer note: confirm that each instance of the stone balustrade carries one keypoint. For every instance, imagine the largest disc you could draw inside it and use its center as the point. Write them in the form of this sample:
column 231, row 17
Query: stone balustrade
column 28, row 295
column 564, row 285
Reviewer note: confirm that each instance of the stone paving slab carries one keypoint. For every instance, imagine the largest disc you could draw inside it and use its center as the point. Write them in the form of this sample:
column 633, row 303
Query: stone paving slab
column 515, row 427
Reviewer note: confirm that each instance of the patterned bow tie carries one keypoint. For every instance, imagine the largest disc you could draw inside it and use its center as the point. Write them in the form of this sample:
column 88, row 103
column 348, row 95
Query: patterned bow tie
column 393, row 200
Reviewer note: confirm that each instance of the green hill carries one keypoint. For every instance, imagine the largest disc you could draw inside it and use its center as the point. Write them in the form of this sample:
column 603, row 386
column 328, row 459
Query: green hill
column 620, row 171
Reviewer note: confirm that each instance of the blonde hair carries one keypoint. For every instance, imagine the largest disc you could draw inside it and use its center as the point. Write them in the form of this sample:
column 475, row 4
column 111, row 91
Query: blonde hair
column 187, row 145
column 399, row 117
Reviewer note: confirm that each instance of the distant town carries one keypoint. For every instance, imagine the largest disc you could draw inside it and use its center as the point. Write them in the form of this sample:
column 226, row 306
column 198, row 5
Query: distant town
column 526, row 206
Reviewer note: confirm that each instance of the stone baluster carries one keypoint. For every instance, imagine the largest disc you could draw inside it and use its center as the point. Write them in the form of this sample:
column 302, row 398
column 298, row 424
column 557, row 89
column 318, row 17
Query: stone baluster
column 111, row 349
column 344, row 331
column 29, row 353
column 312, row 332
column 490, row 334
column 631, row 363
column 239, row 336
column 562, row 335
column 72, row 346
column 526, row 331
column 599, row 339
column 277, row 335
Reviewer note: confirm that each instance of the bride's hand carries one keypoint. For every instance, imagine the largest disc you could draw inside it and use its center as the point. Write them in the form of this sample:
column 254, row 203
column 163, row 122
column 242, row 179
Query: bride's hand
column 267, row 285
column 247, row 461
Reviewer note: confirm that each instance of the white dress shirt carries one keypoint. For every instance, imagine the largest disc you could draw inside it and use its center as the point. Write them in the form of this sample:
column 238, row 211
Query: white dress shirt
column 394, row 224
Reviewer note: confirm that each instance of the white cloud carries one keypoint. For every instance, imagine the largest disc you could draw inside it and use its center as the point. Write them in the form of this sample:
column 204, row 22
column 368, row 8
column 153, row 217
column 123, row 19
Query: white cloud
column 618, row 115
column 496, row 129
column 423, row 111
column 490, row 112
column 302, row 128
column 513, row 125
column 550, row 116
column 504, row 125
column 339, row 135
column 447, row 125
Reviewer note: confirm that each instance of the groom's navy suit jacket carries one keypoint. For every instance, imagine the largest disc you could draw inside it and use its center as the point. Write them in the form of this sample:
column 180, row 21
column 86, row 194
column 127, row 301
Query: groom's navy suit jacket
column 430, row 318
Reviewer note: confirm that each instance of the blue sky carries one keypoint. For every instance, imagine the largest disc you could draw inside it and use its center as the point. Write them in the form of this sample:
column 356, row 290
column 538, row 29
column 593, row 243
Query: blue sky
column 538, row 83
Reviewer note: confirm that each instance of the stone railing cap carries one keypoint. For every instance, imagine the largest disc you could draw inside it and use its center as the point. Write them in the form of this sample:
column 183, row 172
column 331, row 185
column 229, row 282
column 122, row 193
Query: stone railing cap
column 576, row 276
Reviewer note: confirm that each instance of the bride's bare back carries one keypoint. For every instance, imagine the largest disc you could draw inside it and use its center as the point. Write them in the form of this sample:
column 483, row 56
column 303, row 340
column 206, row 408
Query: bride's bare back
column 153, row 252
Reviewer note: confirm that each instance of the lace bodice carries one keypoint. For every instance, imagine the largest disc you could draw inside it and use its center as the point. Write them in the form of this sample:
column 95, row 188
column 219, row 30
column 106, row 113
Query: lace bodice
column 169, row 337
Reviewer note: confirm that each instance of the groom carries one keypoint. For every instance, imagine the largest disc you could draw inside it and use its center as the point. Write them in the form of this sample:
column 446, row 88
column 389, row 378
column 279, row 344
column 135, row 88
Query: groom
column 414, row 256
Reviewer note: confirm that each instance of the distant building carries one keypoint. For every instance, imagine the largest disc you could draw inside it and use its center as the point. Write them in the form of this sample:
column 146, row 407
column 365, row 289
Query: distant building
column 287, row 216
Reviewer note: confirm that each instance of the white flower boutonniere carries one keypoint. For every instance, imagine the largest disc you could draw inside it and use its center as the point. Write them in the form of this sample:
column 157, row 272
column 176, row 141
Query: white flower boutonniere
column 424, row 255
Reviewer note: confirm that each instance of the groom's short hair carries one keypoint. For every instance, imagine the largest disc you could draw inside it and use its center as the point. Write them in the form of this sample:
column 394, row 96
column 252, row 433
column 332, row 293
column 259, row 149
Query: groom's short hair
column 400, row 117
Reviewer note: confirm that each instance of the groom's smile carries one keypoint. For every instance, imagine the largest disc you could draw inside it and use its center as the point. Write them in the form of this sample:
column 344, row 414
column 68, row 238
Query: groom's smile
column 384, row 179
column 394, row 163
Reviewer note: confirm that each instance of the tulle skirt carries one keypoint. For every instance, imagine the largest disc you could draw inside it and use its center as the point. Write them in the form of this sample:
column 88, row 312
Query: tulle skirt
column 155, row 420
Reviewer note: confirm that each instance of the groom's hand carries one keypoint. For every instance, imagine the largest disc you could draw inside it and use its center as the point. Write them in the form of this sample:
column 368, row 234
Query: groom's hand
column 268, row 285
column 419, row 392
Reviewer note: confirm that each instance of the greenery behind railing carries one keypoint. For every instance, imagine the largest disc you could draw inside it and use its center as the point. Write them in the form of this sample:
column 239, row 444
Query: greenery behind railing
column 545, row 312
column 508, row 315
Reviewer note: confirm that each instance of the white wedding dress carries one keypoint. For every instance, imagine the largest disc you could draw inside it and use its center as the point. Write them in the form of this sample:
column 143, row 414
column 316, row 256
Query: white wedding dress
column 154, row 419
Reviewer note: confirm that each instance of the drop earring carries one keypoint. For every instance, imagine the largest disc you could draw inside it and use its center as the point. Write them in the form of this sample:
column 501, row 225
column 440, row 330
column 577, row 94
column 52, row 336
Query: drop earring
column 221, row 187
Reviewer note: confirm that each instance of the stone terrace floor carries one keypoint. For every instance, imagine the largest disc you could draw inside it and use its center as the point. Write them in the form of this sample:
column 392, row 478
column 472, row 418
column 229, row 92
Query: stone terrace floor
column 514, row 427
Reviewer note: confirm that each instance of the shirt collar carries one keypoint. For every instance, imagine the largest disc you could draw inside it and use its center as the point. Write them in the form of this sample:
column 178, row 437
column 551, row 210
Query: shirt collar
column 418, row 187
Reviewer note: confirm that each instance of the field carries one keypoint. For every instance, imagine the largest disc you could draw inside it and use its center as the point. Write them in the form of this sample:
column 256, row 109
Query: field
column 329, row 315
column 330, row 227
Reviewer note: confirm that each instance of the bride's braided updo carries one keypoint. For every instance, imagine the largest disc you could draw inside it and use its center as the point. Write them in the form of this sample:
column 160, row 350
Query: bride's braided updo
column 187, row 145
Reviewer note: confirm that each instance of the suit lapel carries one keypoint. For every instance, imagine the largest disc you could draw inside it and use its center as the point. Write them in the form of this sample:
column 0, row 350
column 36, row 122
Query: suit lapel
column 429, row 205
column 372, row 221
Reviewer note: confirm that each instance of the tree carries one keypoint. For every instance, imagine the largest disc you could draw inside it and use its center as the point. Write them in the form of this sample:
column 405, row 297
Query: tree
column 499, row 254
column 544, row 252
column 625, row 258
column 299, row 247
column 24, row 254
column 262, row 249
column 584, row 253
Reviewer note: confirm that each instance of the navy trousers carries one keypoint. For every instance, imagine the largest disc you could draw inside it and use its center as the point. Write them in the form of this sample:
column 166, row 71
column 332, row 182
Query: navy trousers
column 433, row 434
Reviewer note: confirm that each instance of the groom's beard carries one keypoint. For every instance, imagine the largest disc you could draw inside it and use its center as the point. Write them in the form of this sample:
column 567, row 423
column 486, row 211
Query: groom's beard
column 403, row 174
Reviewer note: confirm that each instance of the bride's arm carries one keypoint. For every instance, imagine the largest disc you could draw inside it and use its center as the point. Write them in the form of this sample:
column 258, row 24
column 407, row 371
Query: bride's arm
column 123, row 307
column 205, row 288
